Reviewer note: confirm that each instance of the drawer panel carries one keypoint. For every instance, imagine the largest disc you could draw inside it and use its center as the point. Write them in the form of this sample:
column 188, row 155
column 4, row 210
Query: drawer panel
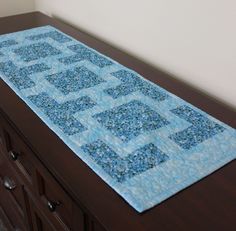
column 56, row 202
column 11, row 204
column 17, row 152
column 47, row 193
column 12, row 187
column 15, row 221
column 45, row 220
column 93, row 225
column 39, row 221
column 5, row 221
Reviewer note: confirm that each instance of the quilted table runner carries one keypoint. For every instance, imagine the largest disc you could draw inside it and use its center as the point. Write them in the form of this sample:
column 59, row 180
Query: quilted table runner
column 142, row 140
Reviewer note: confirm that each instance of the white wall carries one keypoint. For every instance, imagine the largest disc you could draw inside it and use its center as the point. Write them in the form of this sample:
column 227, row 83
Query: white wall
column 194, row 40
column 12, row 7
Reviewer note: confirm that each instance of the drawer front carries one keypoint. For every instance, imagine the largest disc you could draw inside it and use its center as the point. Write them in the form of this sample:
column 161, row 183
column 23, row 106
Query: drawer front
column 12, row 200
column 93, row 225
column 39, row 221
column 5, row 220
column 15, row 220
column 11, row 186
column 17, row 152
column 56, row 203
column 45, row 220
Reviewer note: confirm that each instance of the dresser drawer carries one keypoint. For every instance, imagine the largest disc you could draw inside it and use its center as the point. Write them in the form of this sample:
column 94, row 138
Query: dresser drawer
column 43, row 221
column 56, row 203
column 12, row 199
column 16, row 151
column 39, row 221
column 12, row 187
column 5, row 220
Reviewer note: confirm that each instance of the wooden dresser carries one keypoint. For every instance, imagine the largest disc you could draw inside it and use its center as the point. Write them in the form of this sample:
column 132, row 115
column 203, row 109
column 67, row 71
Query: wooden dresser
column 44, row 186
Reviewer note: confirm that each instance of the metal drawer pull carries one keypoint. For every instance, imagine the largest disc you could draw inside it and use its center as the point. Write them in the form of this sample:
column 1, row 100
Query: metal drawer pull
column 8, row 183
column 14, row 155
column 53, row 205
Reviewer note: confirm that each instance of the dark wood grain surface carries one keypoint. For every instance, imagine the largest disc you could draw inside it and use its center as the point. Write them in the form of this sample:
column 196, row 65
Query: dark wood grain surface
column 209, row 204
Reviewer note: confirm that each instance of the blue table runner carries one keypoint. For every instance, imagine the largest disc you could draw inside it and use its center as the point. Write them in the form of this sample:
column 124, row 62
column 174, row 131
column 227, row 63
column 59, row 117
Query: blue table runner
column 143, row 141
